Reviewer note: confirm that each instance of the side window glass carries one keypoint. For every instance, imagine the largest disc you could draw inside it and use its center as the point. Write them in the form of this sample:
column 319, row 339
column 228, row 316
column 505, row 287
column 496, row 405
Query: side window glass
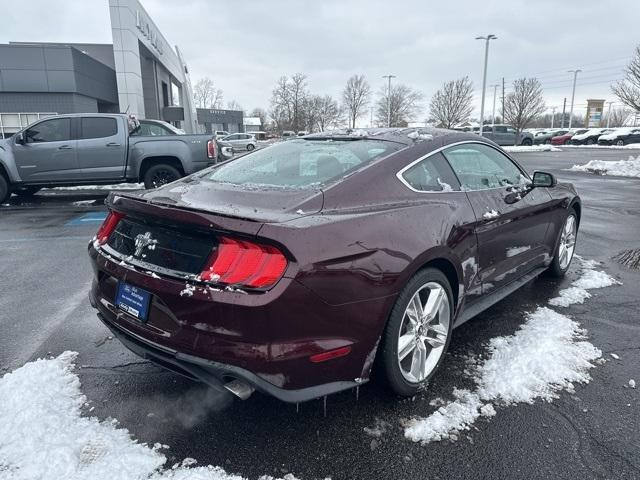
column 55, row 130
column 98, row 127
column 479, row 167
column 433, row 174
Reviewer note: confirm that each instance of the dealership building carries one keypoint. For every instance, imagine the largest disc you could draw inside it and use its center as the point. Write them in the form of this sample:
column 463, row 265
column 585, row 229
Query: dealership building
column 139, row 73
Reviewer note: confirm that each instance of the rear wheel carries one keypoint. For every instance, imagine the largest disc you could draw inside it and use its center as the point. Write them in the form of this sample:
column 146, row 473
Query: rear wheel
column 159, row 175
column 566, row 246
column 26, row 191
column 250, row 147
column 590, row 141
column 418, row 332
column 5, row 193
column 620, row 143
column 527, row 142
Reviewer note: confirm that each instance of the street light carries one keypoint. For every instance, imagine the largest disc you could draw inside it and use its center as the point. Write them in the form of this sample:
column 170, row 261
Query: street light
column 493, row 113
column 573, row 93
column 484, row 76
column 389, row 99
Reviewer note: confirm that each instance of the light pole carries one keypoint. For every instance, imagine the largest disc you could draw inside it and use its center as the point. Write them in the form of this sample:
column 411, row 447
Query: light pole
column 609, row 115
column 493, row 113
column 573, row 93
column 553, row 115
column 389, row 99
column 484, row 76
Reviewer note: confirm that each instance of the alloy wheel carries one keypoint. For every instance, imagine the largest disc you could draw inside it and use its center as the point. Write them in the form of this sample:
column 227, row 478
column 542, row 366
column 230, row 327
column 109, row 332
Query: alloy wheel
column 162, row 177
column 620, row 143
column 567, row 242
column 423, row 332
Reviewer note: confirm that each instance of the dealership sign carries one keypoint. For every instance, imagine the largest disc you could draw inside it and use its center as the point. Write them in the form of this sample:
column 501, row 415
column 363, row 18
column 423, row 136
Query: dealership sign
column 149, row 33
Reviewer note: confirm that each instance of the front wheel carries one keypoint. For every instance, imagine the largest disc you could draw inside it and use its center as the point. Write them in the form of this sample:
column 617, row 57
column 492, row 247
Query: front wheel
column 566, row 246
column 620, row 143
column 250, row 147
column 159, row 175
column 527, row 142
column 5, row 193
column 417, row 333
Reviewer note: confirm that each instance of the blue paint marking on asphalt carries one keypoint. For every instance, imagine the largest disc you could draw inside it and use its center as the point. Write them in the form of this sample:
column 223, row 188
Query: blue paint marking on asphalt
column 87, row 219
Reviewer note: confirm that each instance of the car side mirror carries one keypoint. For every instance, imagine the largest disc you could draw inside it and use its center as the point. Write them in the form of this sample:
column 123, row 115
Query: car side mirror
column 20, row 138
column 544, row 179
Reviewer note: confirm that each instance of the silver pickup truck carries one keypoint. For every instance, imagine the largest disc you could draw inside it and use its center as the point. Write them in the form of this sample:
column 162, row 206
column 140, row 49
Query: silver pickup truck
column 89, row 149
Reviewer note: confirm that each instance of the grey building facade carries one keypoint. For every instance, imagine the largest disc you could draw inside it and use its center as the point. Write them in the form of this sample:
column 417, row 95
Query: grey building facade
column 139, row 74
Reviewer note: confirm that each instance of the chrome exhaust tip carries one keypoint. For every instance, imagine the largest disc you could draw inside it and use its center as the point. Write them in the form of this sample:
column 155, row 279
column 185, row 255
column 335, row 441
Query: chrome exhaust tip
column 240, row 389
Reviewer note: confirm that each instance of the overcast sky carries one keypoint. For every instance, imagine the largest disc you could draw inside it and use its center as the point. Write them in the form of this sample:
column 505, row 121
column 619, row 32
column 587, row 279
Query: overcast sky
column 244, row 46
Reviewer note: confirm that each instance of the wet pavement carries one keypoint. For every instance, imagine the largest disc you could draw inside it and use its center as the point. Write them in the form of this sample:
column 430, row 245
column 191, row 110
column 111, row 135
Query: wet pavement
column 592, row 433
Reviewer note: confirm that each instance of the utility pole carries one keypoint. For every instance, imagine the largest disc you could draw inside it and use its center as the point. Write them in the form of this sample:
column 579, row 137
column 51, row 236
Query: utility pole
column 573, row 93
column 484, row 76
column 609, row 114
column 503, row 100
column 553, row 115
column 389, row 99
column 564, row 107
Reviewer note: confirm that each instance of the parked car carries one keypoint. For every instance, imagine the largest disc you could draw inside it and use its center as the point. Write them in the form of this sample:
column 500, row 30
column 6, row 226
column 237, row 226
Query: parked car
column 294, row 277
column 620, row 137
column 506, row 135
column 241, row 141
column 563, row 139
column 546, row 136
column 302, row 133
column 590, row 137
column 220, row 134
column 87, row 149
column 288, row 134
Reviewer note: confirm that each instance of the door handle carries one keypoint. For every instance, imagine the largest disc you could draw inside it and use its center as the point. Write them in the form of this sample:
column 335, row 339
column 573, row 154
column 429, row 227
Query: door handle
column 65, row 147
column 113, row 144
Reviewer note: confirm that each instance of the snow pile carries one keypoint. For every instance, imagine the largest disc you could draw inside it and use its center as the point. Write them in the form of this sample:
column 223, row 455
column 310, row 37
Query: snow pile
column 416, row 135
column 630, row 146
column 490, row 215
column 590, row 278
column 621, row 168
column 548, row 354
column 531, row 148
column 44, row 436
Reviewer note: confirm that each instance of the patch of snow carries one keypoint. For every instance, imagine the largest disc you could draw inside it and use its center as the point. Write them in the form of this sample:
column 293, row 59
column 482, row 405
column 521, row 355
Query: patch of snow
column 616, row 357
column 632, row 383
column 188, row 290
column 416, row 135
column 621, row 168
column 589, row 279
column 44, row 435
column 80, row 203
column 490, row 215
column 445, row 186
column 379, row 428
column 300, row 211
column 531, row 148
column 630, row 146
column 512, row 252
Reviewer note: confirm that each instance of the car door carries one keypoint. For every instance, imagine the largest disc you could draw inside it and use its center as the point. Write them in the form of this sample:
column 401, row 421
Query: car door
column 101, row 148
column 512, row 220
column 48, row 152
column 500, row 135
column 234, row 140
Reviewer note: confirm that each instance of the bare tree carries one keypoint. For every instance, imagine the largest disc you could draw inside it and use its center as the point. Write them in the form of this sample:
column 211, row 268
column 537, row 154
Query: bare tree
column 617, row 117
column 234, row 105
column 206, row 95
column 452, row 104
column 404, row 105
column 524, row 103
column 628, row 89
column 328, row 113
column 355, row 98
column 288, row 102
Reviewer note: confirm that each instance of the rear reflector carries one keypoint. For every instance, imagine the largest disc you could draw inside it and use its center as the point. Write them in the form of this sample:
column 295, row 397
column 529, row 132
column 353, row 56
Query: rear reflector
column 324, row 356
column 108, row 226
column 211, row 149
column 239, row 262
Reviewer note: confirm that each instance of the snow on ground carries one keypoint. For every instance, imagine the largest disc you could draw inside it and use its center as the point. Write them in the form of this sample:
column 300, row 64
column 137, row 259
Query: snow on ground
column 631, row 146
column 43, row 434
column 531, row 148
column 589, row 279
column 548, row 354
column 621, row 168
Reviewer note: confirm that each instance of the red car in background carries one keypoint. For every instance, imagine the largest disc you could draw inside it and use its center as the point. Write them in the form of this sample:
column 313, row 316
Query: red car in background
column 564, row 139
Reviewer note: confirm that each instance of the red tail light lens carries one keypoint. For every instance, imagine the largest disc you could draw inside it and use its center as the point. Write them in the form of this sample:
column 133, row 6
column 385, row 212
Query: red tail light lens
column 324, row 356
column 238, row 262
column 211, row 149
column 108, row 226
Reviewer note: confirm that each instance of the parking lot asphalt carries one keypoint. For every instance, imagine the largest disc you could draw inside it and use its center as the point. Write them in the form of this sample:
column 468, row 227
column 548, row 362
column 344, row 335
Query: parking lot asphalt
column 591, row 433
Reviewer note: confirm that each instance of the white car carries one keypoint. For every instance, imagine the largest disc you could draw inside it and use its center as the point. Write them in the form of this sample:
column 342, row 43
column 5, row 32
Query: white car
column 241, row 141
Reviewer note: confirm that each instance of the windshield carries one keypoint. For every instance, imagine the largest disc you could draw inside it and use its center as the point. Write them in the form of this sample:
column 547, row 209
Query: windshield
column 301, row 163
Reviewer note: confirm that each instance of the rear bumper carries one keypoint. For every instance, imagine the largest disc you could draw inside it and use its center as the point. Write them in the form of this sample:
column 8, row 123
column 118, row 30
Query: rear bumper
column 215, row 374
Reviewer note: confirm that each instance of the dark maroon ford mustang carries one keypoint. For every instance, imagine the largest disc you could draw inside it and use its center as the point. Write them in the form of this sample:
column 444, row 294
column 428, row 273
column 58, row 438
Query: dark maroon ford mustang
column 298, row 269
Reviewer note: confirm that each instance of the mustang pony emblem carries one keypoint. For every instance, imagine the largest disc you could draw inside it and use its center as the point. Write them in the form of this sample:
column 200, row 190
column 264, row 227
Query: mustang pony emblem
column 144, row 241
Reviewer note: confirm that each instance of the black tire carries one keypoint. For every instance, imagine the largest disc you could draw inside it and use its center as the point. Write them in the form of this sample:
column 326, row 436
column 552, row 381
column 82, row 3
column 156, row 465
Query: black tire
column 159, row 175
column 250, row 147
column 26, row 191
column 5, row 192
column 590, row 141
column 548, row 141
column 556, row 269
column 620, row 143
column 387, row 361
column 527, row 142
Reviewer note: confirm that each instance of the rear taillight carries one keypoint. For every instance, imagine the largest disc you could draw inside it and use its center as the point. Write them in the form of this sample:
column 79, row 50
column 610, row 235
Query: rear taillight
column 211, row 149
column 108, row 226
column 239, row 262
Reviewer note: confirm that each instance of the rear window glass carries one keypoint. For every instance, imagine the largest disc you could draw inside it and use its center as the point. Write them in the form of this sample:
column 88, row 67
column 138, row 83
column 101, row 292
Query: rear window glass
column 301, row 163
